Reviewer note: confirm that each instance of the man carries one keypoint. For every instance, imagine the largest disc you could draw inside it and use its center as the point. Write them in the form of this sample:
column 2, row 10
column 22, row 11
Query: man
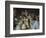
column 29, row 21
column 35, row 23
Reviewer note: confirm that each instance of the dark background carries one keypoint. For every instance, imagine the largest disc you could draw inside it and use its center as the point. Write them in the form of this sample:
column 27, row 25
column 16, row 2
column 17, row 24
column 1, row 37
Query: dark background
column 17, row 11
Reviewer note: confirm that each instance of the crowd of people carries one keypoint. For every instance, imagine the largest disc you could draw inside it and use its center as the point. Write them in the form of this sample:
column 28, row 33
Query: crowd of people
column 27, row 21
